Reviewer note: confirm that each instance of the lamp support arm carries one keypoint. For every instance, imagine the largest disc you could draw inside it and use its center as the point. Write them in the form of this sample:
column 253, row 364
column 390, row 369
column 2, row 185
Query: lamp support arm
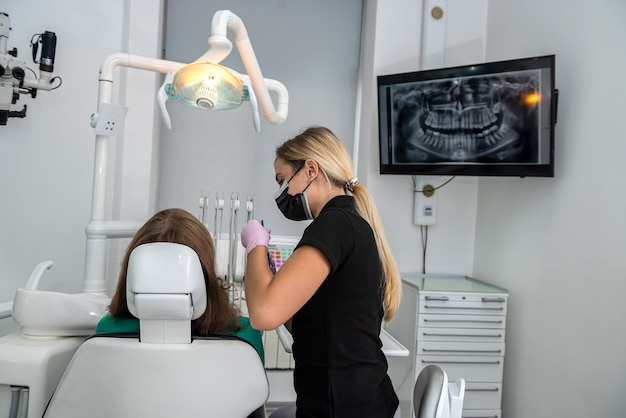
column 99, row 228
column 225, row 21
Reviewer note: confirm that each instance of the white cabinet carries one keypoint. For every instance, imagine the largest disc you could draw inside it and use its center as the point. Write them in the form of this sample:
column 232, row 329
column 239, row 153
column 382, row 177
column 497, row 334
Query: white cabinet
column 458, row 323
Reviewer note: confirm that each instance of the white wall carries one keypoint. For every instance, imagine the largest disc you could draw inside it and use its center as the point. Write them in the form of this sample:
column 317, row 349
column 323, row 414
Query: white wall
column 46, row 159
column 557, row 244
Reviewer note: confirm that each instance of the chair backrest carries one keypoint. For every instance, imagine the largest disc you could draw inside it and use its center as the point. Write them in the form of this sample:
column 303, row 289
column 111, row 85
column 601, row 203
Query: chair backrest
column 155, row 374
column 165, row 289
column 435, row 397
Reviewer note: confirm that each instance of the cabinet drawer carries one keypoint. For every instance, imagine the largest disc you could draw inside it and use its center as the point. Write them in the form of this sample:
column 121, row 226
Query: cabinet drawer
column 470, row 368
column 482, row 395
column 460, row 321
column 461, row 334
column 482, row 413
column 462, row 304
column 462, row 348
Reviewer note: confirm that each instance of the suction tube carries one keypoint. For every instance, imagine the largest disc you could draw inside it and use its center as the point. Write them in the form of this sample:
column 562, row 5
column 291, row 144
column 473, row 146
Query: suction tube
column 15, row 401
column 25, row 395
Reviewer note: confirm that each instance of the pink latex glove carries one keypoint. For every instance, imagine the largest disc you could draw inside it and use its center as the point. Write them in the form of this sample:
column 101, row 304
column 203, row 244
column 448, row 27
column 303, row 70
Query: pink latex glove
column 254, row 234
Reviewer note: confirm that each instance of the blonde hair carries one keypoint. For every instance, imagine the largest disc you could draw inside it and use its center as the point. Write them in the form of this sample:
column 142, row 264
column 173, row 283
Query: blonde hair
column 322, row 145
column 181, row 227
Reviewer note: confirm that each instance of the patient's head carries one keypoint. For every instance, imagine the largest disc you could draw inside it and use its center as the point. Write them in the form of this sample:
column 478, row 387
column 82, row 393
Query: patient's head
column 180, row 227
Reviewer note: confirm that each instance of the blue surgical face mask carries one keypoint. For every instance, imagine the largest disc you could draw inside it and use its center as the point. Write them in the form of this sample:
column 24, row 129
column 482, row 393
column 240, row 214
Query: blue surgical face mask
column 294, row 207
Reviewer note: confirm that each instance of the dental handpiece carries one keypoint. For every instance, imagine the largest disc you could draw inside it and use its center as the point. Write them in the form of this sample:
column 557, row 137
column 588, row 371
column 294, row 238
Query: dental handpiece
column 232, row 253
column 270, row 260
column 219, row 208
column 204, row 205
column 250, row 209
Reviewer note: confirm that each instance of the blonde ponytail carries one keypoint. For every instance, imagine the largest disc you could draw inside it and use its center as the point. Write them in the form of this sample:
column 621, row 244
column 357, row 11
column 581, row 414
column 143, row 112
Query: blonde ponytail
column 393, row 288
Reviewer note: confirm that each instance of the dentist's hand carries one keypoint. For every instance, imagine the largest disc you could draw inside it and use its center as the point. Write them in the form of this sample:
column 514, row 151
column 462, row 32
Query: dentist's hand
column 254, row 234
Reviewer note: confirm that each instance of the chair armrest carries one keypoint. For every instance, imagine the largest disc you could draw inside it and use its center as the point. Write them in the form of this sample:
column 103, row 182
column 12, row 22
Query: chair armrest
column 456, row 394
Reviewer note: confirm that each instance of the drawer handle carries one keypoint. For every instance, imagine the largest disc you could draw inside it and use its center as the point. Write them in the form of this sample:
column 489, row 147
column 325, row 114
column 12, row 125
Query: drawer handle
column 434, row 350
column 443, row 298
column 496, row 299
column 481, row 389
column 433, row 334
column 459, row 362
column 500, row 308
column 486, row 321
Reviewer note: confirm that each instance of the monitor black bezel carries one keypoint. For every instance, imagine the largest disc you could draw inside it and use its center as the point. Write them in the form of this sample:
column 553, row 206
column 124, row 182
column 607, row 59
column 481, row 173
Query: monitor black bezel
column 387, row 166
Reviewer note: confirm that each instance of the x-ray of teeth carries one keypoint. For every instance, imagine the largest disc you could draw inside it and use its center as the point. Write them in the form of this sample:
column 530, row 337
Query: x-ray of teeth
column 478, row 119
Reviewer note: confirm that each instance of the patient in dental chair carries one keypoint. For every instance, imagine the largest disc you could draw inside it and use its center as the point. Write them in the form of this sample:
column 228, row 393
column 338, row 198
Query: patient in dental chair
column 220, row 318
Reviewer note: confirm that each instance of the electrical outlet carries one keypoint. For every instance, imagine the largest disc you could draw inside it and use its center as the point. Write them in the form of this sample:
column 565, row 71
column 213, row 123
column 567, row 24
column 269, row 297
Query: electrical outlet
column 425, row 210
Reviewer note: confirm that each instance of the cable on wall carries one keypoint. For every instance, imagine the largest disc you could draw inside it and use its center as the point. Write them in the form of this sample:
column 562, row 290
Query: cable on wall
column 415, row 188
column 424, row 213
column 424, row 232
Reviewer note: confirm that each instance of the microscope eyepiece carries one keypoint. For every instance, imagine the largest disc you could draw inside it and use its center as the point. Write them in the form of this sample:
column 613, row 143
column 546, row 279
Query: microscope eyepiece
column 48, row 50
column 18, row 73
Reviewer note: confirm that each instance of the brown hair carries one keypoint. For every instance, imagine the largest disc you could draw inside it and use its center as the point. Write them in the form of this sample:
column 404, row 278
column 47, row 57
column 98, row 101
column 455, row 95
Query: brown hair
column 181, row 227
column 322, row 145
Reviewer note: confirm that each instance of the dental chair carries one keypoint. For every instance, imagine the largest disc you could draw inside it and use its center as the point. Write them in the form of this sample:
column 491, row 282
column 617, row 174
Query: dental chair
column 435, row 397
column 163, row 371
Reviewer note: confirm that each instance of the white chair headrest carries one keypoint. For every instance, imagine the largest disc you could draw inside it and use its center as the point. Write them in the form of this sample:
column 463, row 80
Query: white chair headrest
column 165, row 282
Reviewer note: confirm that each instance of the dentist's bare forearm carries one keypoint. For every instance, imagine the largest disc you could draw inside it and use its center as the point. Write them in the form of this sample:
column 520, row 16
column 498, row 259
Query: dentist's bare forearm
column 274, row 299
column 257, row 280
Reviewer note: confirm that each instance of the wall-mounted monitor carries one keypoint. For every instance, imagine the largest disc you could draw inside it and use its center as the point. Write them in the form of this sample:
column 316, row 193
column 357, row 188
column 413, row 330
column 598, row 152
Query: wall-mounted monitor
column 489, row 119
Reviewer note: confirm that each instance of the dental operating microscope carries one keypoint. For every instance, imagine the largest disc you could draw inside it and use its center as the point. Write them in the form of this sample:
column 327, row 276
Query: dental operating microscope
column 17, row 78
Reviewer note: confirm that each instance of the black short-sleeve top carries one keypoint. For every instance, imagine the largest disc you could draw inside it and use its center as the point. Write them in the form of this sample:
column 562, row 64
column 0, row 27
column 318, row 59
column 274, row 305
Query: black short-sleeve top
column 340, row 369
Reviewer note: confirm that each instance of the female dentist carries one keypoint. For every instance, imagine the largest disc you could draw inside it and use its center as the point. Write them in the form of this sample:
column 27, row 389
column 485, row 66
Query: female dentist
column 336, row 288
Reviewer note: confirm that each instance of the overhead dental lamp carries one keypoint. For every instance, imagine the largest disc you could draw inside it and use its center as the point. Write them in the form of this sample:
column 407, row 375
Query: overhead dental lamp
column 207, row 85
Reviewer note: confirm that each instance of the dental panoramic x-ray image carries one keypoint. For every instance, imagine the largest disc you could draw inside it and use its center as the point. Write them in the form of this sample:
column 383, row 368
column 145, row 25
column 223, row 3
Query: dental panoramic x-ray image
column 478, row 119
